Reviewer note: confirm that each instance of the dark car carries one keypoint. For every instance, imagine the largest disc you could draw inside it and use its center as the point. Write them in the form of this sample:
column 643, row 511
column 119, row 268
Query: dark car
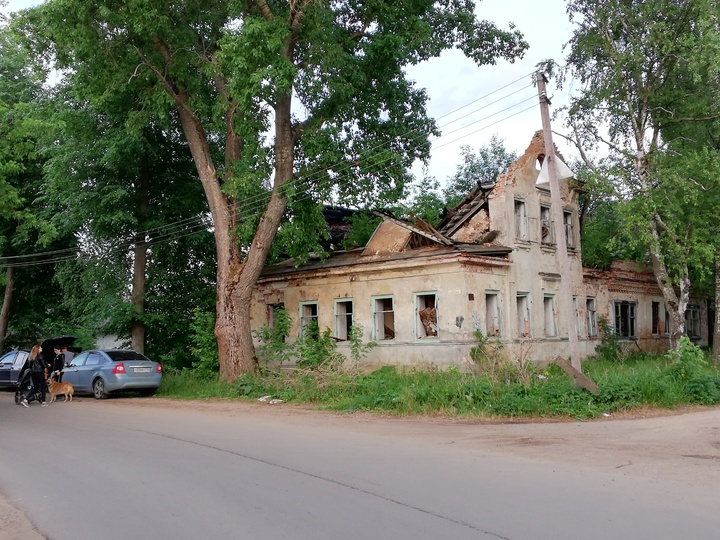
column 10, row 365
column 109, row 370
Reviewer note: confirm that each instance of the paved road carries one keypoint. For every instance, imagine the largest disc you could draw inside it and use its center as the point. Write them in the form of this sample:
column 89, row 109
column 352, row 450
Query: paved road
column 131, row 468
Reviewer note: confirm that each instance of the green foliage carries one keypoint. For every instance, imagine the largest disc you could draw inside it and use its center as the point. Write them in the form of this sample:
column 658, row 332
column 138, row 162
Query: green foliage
column 484, row 167
column 363, row 227
column 609, row 347
column 273, row 346
column 642, row 381
column 358, row 350
column 316, row 349
column 204, row 345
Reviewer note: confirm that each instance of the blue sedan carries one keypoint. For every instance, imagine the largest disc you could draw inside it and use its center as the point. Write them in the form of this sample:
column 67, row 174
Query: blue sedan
column 103, row 371
column 10, row 365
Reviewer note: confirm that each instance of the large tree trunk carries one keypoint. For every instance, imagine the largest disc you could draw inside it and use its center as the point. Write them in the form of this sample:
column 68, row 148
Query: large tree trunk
column 716, row 329
column 7, row 299
column 676, row 304
column 140, row 252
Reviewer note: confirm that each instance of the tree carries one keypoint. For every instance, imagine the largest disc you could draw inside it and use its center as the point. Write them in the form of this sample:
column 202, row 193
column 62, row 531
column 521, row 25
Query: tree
column 491, row 160
column 23, row 212
column 129, row 189
column 625, row 55
column 306, row 101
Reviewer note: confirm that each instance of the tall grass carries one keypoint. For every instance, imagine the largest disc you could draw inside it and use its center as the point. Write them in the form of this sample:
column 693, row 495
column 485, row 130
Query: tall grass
column 641, row 381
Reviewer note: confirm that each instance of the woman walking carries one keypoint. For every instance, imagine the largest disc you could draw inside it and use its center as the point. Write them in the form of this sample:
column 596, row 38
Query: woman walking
column 38, row 372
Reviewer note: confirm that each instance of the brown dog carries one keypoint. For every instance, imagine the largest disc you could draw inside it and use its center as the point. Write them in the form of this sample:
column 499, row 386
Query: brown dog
column 56, row 388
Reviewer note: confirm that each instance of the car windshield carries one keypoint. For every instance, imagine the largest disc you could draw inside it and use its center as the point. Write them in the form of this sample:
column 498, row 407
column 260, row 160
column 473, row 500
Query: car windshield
column 120, row 356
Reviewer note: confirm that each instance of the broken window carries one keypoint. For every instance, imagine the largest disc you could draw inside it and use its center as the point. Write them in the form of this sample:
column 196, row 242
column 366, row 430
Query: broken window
column 492, row 314
column 692, row 321
column 547, row 235
column 384, row 318
column 591, row 317
column 625, row 318
column 520, row 220
column 655, row 318
column 576, row 308
column 569, row 229
column 667, row 322
column 549, row 311
column 308, row 319
column 523, row 315
column 426, row 315
column 343, row 319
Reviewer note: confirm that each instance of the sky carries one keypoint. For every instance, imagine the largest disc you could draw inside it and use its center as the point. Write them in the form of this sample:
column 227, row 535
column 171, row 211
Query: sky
column 472, row 103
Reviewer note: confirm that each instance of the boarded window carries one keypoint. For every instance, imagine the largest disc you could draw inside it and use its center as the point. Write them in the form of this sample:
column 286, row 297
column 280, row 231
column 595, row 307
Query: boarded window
column 343, row 319
column 384, row 318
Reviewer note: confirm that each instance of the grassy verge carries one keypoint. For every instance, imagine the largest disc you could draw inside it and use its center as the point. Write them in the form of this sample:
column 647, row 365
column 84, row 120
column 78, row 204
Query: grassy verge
column 665, row 381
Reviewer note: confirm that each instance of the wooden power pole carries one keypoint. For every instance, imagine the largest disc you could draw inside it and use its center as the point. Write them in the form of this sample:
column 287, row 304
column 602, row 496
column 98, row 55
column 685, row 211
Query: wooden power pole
column 566, row 297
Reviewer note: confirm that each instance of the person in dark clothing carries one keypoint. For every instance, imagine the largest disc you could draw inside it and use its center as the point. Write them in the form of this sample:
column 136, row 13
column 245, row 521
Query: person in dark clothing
column 58, row 364
column 38, row 372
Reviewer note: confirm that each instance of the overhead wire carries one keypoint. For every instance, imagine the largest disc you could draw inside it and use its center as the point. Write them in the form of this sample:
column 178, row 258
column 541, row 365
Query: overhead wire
column 256, row 203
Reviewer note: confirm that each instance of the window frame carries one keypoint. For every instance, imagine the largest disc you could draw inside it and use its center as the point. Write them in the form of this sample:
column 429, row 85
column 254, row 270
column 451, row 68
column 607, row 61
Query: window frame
column 493, row 302
column 420, row 330
column 625, row 326
column 549, row 302
column 343, row 320
column 304, row 320
column 524, row 328
column 591, row 318
column 546, row 222
column 693, row 323
column 376, row 319
column 521, row 220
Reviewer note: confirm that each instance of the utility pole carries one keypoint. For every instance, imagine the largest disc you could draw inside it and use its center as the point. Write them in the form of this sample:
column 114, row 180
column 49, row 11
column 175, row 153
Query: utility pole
column 566, row 298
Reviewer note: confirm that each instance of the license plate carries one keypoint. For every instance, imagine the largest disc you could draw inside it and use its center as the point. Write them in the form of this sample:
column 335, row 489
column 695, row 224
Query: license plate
column 142, row 370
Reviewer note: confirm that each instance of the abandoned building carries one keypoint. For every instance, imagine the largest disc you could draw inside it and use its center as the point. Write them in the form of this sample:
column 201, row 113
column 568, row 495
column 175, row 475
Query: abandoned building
column 421, row 293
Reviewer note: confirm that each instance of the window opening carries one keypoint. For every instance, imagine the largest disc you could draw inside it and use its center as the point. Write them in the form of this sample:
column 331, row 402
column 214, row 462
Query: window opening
column 523, row 315
column 309, row 319
column 343, row 319
column 547, row 235
column 591, row 317
column 569, row 229
column 549, row 310
column 625, row 319
column 655, row 318
column 692, row 321
column 384, row 318
column 492, row 314
column 426, row 315
column 520, row 220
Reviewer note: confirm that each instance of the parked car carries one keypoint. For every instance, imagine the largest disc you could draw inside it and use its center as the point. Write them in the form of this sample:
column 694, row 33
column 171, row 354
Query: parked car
column 110, row 370
column 10, row 365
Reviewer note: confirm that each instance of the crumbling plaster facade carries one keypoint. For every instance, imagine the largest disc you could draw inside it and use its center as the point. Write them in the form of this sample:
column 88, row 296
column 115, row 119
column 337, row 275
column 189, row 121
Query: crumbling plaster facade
column 421, row 294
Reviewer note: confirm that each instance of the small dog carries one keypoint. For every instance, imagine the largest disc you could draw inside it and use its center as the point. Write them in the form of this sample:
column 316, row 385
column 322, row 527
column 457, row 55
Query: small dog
column 57, row 388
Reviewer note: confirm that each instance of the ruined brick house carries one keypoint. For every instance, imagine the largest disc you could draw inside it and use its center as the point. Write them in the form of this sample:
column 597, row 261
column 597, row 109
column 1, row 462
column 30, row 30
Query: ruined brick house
column 421, row 293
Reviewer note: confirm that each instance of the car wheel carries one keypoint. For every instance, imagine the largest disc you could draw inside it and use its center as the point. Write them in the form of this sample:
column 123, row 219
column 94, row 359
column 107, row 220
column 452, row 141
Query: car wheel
column 99, row 389
column 148, row 392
